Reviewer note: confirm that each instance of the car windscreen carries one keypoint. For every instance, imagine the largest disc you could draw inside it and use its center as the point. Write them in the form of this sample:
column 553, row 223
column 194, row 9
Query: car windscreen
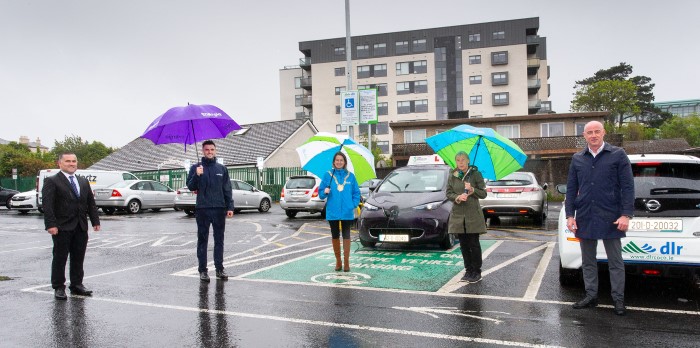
column 659, row 178
column 514, row 179
column 419, row 180
column 301, row 183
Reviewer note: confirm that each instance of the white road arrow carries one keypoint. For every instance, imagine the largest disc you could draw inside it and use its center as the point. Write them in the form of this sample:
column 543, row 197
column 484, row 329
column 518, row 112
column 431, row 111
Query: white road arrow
column 451, row 311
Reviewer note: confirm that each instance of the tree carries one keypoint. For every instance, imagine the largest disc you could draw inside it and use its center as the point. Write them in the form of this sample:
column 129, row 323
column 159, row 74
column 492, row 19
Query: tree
column 28, row 163
column 682, row 127
column 616, row 96
column 87, row 153
column 637, row 131
column 648, row 112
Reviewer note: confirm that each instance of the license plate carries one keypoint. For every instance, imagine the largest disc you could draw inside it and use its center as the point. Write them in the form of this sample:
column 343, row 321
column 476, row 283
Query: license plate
column 656, row 225
column 186, row 194
column 393, row 238
column 297, row 193
column 101, row 194
column 507, row 195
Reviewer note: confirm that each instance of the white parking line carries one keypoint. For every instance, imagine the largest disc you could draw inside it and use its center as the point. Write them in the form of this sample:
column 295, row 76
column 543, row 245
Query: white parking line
column 534, row 287
column 316, row 322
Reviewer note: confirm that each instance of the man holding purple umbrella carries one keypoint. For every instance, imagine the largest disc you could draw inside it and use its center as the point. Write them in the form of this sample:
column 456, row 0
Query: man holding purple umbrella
column 214, row 204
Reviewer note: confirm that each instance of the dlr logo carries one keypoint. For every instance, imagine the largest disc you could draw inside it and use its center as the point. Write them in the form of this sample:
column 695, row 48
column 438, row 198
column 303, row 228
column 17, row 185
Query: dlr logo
column 670, row 248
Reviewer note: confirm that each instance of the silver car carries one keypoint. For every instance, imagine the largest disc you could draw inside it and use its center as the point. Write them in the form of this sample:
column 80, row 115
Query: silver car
column 300, row 194
column 517, row 194
column 134, row 196
column 245, row 196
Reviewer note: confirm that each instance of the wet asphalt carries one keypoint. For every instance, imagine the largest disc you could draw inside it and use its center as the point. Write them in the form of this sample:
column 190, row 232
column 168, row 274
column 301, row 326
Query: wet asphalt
column 142, row 269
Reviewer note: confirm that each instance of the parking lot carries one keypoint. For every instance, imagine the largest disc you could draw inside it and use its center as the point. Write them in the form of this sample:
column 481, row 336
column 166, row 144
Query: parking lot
column 283, row 292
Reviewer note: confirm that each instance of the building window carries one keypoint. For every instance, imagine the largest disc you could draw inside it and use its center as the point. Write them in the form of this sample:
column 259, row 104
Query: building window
column 339, row 89
column 363, row 72
column 337, row 109
column 383, row 146
column 403, row 107
column 339, row 71
column 500, row 98
column 499, row 78
column 339, row 51
column 297, row 82
column 579, row 128
column 380, row 49
column 509, row 131
column 408, row 87
column 475, row 80
column 475, row 99
column 382, row 128
column 401, row 47
column 500, row 115
column 420, row 86
column 297, row 100
column 475, row 59
column 474, row 37
column 554, row 129
column 499, row 58
column 419, row 45
column 362, row 51
column 379, row 70
column 499, row 35
column 382, row 89
column 415, row 67
column 421, row 105
column 414, row 136
column 382, row 109
column 546, row 106
column 339, row 128
column 403, row 88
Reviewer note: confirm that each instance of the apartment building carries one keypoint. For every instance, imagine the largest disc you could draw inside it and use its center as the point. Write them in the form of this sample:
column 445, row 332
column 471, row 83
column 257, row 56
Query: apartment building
column 480, row 70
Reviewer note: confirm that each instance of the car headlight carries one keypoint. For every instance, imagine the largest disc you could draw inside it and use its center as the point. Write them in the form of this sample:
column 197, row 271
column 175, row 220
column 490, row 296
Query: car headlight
column 369, row 207
column 428, row 206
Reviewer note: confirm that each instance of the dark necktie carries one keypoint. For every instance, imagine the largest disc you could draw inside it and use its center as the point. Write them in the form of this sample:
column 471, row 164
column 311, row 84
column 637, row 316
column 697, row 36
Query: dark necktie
column 75, row 187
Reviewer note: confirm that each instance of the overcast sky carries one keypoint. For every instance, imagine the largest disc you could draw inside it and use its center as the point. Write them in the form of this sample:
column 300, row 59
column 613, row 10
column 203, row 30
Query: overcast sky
column 103, row 70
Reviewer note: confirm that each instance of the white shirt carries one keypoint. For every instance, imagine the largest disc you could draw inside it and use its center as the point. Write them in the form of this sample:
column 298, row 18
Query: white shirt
column 75, row 179
column 599, row 149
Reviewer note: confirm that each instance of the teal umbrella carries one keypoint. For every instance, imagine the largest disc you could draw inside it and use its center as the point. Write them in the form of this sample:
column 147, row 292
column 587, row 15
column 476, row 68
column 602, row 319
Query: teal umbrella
column 495, row 155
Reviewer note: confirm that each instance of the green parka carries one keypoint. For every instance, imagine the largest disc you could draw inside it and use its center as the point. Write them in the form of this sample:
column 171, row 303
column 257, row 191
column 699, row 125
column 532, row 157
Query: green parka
column 466, row 214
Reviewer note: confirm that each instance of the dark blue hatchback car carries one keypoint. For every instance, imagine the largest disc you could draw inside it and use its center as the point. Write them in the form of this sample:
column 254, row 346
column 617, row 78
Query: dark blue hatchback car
column 409, row 206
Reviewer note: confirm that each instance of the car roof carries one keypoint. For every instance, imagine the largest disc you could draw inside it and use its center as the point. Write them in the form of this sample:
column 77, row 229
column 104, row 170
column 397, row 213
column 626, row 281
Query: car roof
column 663, row 158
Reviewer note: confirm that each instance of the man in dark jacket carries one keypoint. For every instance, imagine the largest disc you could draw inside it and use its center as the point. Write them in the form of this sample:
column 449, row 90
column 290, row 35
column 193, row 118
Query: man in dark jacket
column 214, row 204
column 67, row 203
column 599, row 204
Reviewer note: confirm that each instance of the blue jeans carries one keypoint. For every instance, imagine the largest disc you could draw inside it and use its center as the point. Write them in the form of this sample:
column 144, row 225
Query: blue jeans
column 216, row 217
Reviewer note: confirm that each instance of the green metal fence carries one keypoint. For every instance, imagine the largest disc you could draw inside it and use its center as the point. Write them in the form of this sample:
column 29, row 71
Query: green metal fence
column 22, row 184
column 272, row 179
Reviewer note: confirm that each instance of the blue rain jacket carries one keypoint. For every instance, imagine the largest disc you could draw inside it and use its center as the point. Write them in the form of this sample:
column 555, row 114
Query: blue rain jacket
column 340, row 204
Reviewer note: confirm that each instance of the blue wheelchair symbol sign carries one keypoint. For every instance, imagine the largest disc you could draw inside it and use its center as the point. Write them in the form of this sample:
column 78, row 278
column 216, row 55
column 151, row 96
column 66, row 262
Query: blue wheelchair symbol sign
column 350, row 103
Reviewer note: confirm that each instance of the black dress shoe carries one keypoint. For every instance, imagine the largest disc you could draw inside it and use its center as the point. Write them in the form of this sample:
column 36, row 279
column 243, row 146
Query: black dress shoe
column 203, row 276
column 620, row 308
column 222, row 275
column 60, row 294
column 80, row 290
column 587, row 302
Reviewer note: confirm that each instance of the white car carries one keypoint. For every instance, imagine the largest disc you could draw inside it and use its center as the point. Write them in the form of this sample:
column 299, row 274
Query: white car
column 664, row 235
column 24, row 202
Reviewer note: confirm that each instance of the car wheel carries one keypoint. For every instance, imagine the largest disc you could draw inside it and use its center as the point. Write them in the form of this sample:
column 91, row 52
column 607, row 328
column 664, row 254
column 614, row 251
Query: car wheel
column 108, row 211
column 264, row 206
column 323, row 213
column 367, row 244
column 134, row 207
column 40, row 210
column 189, row 212
column 570, row 277
column 23, row 212
column 176, row 209
column 290, row 213
column 8, row 203
column 448, row 241
column 155, row 210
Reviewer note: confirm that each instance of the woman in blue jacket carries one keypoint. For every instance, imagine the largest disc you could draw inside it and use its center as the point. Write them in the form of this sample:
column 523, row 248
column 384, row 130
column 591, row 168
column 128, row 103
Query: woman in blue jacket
column 343, row 192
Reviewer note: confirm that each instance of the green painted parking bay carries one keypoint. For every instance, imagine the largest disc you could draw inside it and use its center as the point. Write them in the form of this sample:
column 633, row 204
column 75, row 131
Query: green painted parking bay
column 375, row 268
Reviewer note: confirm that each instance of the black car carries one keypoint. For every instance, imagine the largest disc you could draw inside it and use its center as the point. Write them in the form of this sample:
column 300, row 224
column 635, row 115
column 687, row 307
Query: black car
column 6, row 196
column 409, row 206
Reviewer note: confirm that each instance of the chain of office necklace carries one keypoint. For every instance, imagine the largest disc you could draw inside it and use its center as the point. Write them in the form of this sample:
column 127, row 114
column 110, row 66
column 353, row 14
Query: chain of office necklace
column 340, row 186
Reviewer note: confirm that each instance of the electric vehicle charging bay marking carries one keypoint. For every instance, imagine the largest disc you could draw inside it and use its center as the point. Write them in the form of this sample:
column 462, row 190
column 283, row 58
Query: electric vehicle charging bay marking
column 390, row 269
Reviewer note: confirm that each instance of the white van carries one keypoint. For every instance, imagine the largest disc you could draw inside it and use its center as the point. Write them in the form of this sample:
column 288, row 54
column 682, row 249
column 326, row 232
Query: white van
column 97, row 178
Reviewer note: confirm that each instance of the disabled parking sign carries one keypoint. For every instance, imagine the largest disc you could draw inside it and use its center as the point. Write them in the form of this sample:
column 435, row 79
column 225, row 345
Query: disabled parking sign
column 349, row 113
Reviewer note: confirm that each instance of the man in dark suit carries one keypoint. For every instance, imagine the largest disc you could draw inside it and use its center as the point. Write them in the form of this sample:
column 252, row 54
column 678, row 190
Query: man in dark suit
column 67, row 203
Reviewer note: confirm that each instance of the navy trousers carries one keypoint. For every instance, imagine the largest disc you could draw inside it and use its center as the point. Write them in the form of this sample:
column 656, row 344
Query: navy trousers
column 216, row 217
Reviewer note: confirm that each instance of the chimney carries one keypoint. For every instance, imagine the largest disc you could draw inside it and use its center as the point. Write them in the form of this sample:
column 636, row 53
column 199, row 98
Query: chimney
column 24, row 140
column 38, row 143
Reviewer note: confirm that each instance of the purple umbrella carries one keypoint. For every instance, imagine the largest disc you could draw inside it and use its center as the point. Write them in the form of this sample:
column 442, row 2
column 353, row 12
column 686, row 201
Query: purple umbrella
column 190, row 124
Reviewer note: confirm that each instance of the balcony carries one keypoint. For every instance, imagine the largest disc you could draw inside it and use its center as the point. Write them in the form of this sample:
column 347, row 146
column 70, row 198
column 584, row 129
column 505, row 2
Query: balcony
column 533, row 85
column 534, row 104
column 305, row 101
column 532, row 39
column 533, row 64
column 305, row 63
column 306, row 83
column 303, row 115
column 548, row 146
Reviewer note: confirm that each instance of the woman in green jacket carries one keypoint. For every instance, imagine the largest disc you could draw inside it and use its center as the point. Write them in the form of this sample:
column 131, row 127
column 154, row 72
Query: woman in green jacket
column 465, row 187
